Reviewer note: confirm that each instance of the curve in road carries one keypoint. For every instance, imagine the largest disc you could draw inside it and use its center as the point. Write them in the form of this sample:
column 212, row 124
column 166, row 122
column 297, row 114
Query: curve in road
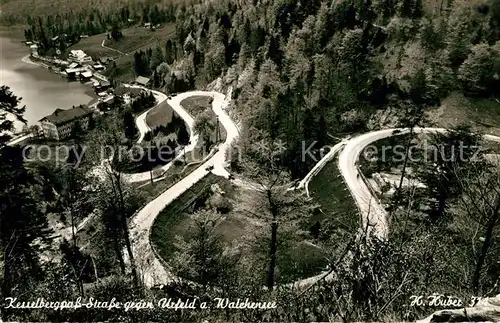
column 148, row 265
column 175, row 103
column 304, row 183
column 372, row 212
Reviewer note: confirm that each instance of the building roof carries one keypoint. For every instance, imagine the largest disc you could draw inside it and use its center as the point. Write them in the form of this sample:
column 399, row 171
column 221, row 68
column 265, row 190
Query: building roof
column 108, row 99
column 142, row 80
column 60, row 116
column 78, row 53
column 122, row 90
column 73, row 65
column 100, row 77
column 86, row 74
column 75, row 70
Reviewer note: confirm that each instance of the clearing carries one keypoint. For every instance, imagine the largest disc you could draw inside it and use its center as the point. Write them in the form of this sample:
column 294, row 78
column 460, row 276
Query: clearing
column 161, row 115
column 241, row 233
column 337, row 217
column 196, row 105
column 136, row 38
column 483, row 115
column 92, row 46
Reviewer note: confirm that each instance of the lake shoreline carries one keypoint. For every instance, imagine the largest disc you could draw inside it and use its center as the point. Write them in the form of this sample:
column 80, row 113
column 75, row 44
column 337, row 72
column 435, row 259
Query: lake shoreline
column 26, row 59
column 40, row 90
column 89, row 91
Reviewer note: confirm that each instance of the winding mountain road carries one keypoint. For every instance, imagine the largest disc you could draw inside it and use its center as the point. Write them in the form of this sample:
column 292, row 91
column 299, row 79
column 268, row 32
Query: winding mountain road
column 142, row 125
column 115, row 50
column 175, row 103
column 373, row 213
column 148, row 265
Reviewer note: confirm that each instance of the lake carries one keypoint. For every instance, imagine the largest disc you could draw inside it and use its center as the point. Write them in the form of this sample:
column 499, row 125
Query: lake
column 41, row 90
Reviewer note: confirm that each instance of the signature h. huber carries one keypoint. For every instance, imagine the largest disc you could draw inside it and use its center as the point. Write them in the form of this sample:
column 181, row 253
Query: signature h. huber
column 445, row 301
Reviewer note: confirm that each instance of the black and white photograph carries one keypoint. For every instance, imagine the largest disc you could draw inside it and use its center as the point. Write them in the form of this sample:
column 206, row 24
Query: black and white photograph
column 250, row 161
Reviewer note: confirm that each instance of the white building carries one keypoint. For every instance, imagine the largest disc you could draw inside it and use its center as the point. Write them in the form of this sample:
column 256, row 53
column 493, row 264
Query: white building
column 60, row 123
column 79, row 56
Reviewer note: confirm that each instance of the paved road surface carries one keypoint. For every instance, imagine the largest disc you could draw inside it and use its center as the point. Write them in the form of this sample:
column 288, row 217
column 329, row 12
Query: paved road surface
column 144, row 128
column 372, row 212
column 115, row 50
column 20, row 139
column 153, row 272
column 150, row 268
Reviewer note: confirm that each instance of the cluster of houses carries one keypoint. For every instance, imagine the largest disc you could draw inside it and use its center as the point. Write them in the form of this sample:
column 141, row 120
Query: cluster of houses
column 78, row 66
column 82, row 67
column 59, row 124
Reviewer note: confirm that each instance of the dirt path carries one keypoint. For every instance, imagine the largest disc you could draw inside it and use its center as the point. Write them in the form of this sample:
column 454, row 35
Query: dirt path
column 115, row 50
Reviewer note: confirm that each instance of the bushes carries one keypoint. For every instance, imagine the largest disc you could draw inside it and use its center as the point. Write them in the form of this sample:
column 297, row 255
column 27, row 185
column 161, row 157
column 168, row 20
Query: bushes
column 143, row 102
column 174, row 126
column 479, row 72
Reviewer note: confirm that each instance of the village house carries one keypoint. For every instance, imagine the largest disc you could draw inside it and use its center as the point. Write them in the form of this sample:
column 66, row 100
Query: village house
column 128, row 94
column 86, row 76
column 98, row 67
column 131, row 91
column 143, row 81
column 60, row 123
column 76, row 71
column 105, row 104
column 79, row 56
